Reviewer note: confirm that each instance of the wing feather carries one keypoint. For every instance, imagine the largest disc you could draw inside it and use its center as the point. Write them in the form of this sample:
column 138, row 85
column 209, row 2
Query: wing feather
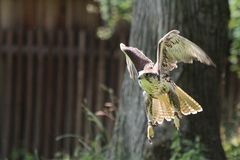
column 173, row 48
column 131, row 68
column 135, row 60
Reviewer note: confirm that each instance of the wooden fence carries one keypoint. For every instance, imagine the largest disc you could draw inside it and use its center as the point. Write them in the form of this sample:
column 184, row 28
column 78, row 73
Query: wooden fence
column 44, row 78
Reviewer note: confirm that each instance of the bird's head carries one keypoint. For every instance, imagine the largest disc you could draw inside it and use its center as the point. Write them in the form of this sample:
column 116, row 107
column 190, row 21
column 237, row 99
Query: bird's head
column 148, row 80
column 149, row 72
column 147, row 75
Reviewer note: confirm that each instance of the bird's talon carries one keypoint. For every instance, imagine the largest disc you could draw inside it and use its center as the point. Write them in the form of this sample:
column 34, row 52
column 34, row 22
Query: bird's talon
column 150, row 133
column 149, row 141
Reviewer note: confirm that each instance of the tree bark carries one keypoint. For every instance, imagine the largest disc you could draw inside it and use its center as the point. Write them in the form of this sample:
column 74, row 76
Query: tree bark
column 203, row 22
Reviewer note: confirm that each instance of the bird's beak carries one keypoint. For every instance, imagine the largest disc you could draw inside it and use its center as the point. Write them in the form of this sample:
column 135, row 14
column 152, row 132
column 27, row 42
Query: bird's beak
column 139, row 77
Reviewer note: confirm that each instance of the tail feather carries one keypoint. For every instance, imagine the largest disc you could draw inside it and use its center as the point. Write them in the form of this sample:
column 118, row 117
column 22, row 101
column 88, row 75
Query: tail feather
column 162, row 109
column 169, row 113
column 157, row 112
column 187, row 104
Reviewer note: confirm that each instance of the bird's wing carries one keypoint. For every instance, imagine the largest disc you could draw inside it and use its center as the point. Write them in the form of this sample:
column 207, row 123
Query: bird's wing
column 136, row 60
column 173, row 48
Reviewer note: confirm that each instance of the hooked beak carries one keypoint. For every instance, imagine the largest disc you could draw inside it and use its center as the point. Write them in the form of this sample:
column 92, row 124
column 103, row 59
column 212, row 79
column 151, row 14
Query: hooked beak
column 140, row 75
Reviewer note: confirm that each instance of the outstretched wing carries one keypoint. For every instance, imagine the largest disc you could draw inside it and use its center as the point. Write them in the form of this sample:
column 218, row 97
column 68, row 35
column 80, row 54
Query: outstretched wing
column 136, row 60
column 173, row 48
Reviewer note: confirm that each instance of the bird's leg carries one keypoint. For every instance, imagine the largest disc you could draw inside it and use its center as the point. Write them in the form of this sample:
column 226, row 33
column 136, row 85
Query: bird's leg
column 177, row 116
column 176, row 120
column 150, row 130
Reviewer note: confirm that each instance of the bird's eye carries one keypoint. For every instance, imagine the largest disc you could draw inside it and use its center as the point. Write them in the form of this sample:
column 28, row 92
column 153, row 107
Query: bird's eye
column 147, row 74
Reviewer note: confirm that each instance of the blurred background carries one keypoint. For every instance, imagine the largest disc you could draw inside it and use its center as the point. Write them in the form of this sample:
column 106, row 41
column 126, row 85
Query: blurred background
column 51, row 62
column 61, row 72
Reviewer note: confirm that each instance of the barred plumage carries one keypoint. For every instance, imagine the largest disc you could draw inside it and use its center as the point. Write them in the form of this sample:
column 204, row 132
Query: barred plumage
column 164, row 99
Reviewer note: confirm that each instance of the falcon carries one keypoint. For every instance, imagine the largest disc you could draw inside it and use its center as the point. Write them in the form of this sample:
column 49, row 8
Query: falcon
column 164, row 99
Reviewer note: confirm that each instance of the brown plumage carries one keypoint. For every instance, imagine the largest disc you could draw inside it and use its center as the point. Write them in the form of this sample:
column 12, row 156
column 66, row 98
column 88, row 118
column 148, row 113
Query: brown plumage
column 164, row 99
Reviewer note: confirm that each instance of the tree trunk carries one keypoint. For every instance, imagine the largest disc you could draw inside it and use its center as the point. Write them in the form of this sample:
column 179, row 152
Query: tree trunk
column 205, row 23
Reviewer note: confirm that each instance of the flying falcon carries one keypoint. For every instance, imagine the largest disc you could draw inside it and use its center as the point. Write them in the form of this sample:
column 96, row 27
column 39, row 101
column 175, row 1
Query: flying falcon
column 164, row 99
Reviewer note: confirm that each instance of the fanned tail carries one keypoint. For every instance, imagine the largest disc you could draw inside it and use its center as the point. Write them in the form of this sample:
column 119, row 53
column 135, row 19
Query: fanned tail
column 187, row 104
column 161, row 109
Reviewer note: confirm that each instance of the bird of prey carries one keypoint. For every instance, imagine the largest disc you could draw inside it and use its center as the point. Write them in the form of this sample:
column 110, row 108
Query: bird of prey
column 163, row 98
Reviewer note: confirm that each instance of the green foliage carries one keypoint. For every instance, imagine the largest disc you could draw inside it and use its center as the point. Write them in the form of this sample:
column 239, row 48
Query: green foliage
column 96, row 149
column 87, row 151
column 22, row 154
column 234, row 27
column 183, row 149
column 91, row 152
column 232, row 151
column 101, row 135
column 112, row 11
column 232, row 147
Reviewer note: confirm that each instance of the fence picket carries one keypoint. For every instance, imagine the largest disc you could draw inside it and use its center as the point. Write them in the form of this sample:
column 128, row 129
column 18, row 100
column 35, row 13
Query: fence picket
column 89, row 90
column 101, row 75
column 45, row 84
column 19, row 88
column 69, row 106
column 2, row 92
column 49, row 96
column 80, row 83
column 8, row 100
column 39, row 95
column 28, row 119
column 60, row 89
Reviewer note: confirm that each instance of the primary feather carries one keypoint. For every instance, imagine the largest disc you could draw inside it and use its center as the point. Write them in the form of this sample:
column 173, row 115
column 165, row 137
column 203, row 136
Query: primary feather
column 173, row 48
column 164, row 99
column 135, row 59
